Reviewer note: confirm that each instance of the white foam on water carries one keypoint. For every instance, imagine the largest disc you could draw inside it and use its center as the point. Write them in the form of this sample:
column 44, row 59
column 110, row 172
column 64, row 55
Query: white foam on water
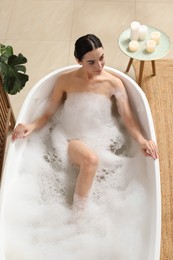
column 38, row 219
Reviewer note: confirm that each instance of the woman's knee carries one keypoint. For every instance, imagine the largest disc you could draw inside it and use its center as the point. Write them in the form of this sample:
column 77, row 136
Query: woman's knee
column 82, row 155
column 90, row 160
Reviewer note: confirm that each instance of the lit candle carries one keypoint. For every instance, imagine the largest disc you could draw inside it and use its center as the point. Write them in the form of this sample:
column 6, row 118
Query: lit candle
column 143, row 32
column 156, row 37
column 150, row 46
column 133, row 45
column 134, row 30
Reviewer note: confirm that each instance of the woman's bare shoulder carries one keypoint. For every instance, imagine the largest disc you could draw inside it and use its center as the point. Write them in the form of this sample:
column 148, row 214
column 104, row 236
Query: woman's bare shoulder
column 65, row 79
column 114, row 80
column 67, row 75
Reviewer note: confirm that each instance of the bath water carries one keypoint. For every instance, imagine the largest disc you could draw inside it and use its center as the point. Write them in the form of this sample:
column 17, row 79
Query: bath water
column 38, row 219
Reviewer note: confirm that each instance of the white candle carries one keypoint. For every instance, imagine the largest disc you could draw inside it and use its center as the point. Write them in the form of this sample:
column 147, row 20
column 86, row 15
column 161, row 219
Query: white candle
column 156, row 37
column 134, row 30
column 150, row 46
column 133, row 45
column 143, row 32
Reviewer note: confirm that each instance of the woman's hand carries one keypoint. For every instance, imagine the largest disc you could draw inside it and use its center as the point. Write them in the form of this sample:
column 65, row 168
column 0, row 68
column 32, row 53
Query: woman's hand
column 22, row 131
column 149, row 148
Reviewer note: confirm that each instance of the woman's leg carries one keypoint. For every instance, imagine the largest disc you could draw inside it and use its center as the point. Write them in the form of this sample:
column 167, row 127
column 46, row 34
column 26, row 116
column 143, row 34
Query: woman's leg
column 87, row 160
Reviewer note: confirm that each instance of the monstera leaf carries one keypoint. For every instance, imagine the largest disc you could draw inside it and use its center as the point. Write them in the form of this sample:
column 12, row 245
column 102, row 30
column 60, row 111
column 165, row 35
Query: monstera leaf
column 12, row 70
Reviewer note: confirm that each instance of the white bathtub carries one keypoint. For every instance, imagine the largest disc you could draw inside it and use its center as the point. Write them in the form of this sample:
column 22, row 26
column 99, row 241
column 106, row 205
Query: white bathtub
column 37, row 95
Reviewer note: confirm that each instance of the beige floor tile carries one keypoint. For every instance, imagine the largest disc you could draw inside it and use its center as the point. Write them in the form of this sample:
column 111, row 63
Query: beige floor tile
column 154, row 1
column 114, row 57
column 40, row 20
column 6, row 8
column 107, row 1
column 105, row 19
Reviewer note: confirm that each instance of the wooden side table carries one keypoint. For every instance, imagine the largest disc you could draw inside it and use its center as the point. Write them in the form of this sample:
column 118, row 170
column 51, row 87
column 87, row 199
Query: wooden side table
column 141, row 54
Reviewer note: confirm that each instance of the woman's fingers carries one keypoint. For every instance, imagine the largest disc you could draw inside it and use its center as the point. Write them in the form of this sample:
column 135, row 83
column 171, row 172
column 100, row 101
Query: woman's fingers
column 20, row 131
column 150, row 149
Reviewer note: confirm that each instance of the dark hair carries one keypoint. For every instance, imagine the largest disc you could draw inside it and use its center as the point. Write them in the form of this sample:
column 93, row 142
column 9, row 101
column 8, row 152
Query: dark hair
column 85, row 44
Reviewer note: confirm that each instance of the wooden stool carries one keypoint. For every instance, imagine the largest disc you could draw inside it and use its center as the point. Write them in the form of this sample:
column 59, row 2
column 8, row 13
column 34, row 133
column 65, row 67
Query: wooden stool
column 141, row 69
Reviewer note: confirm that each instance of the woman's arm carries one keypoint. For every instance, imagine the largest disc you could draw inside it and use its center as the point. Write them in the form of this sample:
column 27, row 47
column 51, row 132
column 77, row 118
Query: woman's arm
column 23, row 130
column 148, row 146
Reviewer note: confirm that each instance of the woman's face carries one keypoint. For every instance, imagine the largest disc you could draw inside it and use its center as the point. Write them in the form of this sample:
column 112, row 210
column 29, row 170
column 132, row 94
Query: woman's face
column 93, row 62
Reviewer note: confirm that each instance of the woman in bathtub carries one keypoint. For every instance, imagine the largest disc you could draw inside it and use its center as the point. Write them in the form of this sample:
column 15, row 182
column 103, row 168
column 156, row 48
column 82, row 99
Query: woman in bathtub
column 89, row 78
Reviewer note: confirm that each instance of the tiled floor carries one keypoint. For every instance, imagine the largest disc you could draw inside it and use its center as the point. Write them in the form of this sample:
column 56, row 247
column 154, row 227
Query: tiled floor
column 45, row 30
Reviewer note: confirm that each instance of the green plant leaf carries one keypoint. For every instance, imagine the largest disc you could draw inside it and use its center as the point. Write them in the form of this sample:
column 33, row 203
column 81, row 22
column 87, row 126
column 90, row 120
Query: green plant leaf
column 12, row 70
column 21, row 68
column 2, row 48
column 16, row 60
column 6, row 52
column 18, row 83
column 9, row 51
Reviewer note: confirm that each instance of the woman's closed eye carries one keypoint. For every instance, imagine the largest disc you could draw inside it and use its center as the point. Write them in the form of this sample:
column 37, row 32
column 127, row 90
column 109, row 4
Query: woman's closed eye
column 91, row 62
column 102, row 57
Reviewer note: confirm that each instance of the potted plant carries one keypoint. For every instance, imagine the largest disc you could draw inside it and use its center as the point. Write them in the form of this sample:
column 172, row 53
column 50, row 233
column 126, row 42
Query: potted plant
column 13, row 78
column 12, row 71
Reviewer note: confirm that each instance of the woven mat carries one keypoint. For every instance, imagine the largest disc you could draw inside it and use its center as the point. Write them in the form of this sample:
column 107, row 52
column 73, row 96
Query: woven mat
column 159, row 91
